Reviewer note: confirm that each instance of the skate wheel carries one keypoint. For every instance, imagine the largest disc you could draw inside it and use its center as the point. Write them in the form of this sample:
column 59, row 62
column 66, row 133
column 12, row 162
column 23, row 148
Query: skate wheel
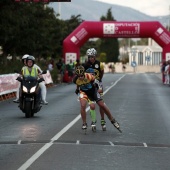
column 119, row 130
column 94, row 129
column 104, row 128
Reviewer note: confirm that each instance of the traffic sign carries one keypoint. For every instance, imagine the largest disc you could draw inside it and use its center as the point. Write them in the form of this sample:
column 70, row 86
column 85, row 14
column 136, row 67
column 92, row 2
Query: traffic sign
column 133, row 64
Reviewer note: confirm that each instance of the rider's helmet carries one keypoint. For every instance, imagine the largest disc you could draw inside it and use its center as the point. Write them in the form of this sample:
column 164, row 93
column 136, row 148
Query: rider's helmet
column 24, row 57
column 91, row 52
column 90, row 70
column 79, row 70
column 30, row 57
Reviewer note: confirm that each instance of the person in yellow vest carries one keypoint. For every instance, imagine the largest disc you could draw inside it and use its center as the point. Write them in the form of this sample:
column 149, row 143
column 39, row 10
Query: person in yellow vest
column 30, row 70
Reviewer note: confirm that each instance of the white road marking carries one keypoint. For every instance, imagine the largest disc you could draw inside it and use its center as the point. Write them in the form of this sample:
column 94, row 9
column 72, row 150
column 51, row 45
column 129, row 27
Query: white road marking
column 78, row 142
column 145, row 145
column 112, row 144
column 58, row 135
column 19, row 142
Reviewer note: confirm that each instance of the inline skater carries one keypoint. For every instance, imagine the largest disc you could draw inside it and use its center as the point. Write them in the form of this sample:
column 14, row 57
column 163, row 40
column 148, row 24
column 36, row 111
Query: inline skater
column 98, row 68
column 86, row 88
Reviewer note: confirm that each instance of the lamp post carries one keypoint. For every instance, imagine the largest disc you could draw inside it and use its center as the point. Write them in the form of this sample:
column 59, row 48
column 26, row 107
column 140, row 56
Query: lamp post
column 148, row 57
column 133, row 64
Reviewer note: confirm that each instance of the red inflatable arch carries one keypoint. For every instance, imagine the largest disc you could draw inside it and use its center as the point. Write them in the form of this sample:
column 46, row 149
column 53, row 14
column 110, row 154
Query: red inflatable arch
column 114, row 29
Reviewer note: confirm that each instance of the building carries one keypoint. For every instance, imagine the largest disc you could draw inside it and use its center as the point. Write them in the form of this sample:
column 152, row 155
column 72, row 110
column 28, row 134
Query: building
column 146, row 55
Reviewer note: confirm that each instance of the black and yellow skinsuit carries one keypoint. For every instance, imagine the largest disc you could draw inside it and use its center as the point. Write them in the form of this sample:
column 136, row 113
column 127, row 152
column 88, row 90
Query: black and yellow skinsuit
column 87, row 88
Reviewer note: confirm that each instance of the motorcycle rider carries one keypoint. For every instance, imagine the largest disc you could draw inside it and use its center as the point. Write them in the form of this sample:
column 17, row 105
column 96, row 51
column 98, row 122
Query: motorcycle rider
column 30, row 70
column 42, row 84
column 98, row 68
column 86, row 88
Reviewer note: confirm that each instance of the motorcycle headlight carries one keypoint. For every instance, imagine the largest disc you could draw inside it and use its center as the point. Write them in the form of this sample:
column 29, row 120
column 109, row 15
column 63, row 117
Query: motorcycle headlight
column 33, row 89
column 25, row 89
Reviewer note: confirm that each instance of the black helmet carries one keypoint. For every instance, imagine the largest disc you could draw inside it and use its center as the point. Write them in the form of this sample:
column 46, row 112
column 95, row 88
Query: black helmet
column 79, row 70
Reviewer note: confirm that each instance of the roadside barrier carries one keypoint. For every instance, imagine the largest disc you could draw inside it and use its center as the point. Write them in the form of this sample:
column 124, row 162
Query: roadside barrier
column 9, row 85
column 48, row 79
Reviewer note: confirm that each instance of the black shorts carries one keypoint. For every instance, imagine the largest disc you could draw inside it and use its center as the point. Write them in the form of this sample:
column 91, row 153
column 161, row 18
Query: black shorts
column 94, row 95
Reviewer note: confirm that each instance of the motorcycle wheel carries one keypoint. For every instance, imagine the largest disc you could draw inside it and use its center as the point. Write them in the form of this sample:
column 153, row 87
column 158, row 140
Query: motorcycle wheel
column 28, row 113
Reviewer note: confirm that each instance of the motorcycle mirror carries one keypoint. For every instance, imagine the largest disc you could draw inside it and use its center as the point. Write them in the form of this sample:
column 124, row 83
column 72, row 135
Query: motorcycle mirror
column 19, row 79
column 44, row 72
column 40, row 80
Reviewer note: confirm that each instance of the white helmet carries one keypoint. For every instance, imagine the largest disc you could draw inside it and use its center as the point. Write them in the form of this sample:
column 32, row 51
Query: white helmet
column 25, row 56
column 91, row 52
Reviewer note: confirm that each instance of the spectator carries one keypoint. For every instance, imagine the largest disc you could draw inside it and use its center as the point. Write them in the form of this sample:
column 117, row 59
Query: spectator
column 77, row 63
column 60, row 66
column 111, row 68
column 70, row 69
column 123, row 68
column 51, row 65
column 163, row 70
column 166, row 72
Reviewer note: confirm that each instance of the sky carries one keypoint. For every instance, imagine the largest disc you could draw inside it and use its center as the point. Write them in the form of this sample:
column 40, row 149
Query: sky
column 149, row 7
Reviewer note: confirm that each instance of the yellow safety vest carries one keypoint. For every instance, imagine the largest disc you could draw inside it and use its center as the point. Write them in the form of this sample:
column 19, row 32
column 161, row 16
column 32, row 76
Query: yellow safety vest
column 33, row 73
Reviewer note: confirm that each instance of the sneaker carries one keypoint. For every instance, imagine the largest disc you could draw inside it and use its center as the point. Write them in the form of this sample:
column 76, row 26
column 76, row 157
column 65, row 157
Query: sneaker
column 44, row 102
column 116, row 125
column 103, row 124
column 16, row 101
column 84, row 126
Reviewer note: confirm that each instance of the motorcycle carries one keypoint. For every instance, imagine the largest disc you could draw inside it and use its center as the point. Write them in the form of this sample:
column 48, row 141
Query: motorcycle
column 30, row 95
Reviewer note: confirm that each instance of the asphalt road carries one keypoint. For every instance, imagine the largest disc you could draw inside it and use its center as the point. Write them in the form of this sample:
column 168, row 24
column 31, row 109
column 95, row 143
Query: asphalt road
column 54, row 140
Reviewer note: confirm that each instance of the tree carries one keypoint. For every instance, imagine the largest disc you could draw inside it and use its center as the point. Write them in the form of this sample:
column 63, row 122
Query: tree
column 109, row 46
column 30, row 28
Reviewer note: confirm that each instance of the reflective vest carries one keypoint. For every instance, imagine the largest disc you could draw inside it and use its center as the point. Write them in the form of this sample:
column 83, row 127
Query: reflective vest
column 33, row 73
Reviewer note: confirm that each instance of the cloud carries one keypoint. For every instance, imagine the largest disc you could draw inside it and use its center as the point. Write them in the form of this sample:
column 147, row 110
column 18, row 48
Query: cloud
column 150, row 7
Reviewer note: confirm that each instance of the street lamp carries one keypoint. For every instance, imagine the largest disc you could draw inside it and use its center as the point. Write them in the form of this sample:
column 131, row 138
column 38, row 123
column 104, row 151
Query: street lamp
column 133, row 53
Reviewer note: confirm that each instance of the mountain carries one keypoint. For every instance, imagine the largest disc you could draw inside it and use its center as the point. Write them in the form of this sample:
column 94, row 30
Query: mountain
column 92, row 10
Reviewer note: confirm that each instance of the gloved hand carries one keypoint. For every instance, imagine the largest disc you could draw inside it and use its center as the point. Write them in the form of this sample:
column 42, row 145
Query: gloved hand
column 77, row 91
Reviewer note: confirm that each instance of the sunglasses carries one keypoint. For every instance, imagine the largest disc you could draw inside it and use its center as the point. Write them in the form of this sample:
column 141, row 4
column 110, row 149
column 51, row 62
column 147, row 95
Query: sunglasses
column 90, row 56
